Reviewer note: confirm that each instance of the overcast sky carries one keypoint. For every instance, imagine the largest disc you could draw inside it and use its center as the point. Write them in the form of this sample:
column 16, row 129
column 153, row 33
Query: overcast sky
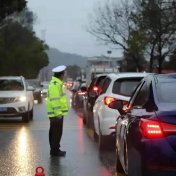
column 64, row 22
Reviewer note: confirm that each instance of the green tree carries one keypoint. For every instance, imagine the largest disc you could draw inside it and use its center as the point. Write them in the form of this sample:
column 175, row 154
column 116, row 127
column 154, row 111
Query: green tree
column 8, row 7
column 21, row 52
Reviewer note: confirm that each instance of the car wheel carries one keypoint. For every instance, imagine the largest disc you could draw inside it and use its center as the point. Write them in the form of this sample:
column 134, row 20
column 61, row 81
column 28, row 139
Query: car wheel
column 119, row 168
column 26, row 117
column 40, row 100
column 31, row 114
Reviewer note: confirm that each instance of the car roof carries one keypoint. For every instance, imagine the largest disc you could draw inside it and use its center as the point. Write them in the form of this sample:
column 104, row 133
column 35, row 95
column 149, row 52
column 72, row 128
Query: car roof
column 99, row 75
column 10, row 77
column 127, row 75
column 171, row 77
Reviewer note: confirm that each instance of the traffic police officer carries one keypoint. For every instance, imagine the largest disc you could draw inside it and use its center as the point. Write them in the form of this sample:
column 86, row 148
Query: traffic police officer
column 57, row 107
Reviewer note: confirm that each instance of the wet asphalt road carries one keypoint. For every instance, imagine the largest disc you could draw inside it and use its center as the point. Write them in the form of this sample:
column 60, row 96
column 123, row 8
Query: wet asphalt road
column 23, row 147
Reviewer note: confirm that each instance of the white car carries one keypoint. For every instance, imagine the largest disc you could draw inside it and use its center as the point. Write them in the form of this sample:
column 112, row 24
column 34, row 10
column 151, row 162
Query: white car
column 115, row 87
column 45, row 89
column 16, row 98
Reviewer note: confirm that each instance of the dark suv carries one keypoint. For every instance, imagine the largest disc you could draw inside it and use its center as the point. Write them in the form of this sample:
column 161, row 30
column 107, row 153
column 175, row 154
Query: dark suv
column 90, row 97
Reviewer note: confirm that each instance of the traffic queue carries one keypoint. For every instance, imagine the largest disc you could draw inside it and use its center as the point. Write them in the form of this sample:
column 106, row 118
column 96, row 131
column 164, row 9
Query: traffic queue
column 136, row 113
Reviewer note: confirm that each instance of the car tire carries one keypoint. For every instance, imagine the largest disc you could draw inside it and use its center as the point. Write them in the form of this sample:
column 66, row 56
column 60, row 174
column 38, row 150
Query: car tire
column 31, row 114
column 119, row 168
column 40, row 100
column 26, row 117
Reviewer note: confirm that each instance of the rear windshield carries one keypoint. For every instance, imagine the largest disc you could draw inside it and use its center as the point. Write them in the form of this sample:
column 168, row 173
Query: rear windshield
column 11, row 85
column 125, row 86
column 166, row 92
column 76, row 87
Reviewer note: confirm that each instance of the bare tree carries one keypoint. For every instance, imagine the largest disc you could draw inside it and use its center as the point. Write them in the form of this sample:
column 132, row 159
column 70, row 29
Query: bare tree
column 112, row 25
column 158, row 19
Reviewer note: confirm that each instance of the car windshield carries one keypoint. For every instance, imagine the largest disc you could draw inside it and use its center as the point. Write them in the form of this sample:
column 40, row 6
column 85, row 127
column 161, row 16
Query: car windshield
column 34, row 84
column 166, row 92
column 45, row 86
column 125, row 86
column 11, row 85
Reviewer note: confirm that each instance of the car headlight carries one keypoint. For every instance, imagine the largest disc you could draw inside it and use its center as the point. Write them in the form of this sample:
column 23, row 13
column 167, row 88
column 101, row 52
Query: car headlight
column 22, row 98
column 41, row 91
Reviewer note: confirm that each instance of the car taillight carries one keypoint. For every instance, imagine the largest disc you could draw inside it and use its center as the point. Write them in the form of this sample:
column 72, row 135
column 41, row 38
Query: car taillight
column 108, row 100
column 168, row 129
column 81, row 93
column 96, row 89
column 112, row 127
column 153, row 129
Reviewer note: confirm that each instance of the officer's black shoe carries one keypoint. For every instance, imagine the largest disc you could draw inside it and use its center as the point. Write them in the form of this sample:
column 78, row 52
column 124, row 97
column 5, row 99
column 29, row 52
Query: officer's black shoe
column 62, row 153
column 59, row 153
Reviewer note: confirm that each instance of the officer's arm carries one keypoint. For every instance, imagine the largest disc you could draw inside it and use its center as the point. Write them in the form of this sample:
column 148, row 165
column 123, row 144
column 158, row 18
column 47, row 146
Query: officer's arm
column 54, row 95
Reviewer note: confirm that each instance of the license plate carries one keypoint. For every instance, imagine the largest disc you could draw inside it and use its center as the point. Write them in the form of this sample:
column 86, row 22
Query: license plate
column 3, row 109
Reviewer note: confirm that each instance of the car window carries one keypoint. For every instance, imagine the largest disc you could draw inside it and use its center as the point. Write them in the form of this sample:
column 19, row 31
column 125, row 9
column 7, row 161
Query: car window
column 166, row 92
column 100, row 81
column 133, row 96
column 105, row 85
column 11, row 85
column 125, row 86
column 92, row 84
column 142, row 96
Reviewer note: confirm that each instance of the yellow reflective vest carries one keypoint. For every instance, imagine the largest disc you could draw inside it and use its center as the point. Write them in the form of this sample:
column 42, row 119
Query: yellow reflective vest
column 56, row 99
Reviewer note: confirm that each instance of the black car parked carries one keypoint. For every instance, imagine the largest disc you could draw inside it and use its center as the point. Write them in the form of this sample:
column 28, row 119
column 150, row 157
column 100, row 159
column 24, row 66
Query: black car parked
column 77, row 98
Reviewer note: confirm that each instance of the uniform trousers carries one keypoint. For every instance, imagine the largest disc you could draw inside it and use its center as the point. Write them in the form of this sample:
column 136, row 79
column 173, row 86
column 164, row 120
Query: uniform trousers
column 55, row 133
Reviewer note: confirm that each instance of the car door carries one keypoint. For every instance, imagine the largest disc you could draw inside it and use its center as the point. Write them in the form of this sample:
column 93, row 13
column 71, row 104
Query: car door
column 99, row 102
column 134, row 110
column 29, row 95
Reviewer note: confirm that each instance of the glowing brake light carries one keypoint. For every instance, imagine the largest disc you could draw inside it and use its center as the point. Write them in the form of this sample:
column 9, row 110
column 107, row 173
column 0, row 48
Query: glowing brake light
column 151, row 129
column 81, row 93
column 108, row 100
column 96, row 89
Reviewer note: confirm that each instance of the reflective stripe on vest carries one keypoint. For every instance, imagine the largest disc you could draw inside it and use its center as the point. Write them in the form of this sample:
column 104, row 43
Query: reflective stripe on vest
column 50, row 113
column 56, row 98
column 58, row 107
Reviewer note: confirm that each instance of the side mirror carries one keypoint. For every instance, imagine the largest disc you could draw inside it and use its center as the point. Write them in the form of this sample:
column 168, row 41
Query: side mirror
column 30, row 88
column 118, row 105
